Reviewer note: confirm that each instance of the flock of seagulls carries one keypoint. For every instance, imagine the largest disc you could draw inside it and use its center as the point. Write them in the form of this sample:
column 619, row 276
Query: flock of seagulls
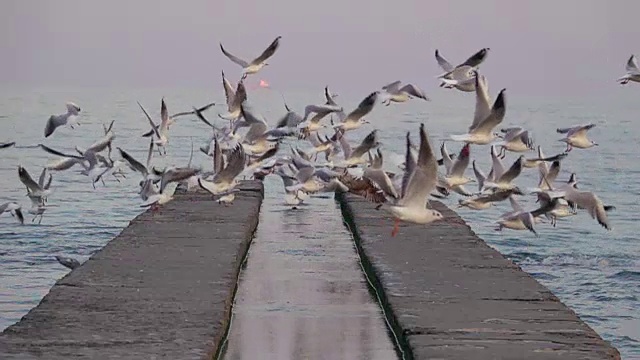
column 248, row 146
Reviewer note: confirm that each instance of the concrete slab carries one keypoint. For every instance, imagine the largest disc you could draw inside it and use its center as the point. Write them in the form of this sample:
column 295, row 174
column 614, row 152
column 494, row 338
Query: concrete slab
column 451, row 296
column 162, row 289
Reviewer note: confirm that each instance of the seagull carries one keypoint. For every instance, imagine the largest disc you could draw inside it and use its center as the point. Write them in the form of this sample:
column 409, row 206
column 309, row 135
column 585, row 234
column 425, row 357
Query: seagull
column 355, row 118
column 586, row 200
column 256, row 64
column 541, row 159
column 37, row 208
column 94, row 167
column 234, row 99
column 224, row 180
column 483, row 100
column 354, row 157
column 559, row 209
column 172, row 118
column 376, row 174
column 135, row 165
column 33, row 188
column 504, row 180
column 68, row 262
column 482, row 133
column 633, row 73
column 14, row 209
column 291, row 197
column 259, row 138
column 484, row 201
column 67, row 118
column 454, row 178
column 169, row 181
column 516, row 139
column 402, row 94
column 419, row 180
column 577, row 137
column 519, row 219
column 462, row 76
column 161, row 131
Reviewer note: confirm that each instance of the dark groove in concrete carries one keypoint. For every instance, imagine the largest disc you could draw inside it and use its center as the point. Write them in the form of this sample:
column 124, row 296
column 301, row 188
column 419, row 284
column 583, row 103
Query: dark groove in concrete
column 451, row 296
column 161, row 289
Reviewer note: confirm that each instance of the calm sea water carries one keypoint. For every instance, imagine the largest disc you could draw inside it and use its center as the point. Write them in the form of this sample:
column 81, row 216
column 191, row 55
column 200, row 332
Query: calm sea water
column 594, row 271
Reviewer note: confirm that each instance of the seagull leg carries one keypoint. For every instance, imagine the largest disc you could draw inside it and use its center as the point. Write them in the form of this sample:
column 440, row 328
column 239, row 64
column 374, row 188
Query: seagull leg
column 396, row 227
column 40, row 221
column 101, row 179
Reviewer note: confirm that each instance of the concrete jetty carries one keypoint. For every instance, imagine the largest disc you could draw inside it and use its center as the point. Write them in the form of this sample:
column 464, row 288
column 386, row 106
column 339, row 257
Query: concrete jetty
column 451, row 296
column 162, row 289
column 302, row 294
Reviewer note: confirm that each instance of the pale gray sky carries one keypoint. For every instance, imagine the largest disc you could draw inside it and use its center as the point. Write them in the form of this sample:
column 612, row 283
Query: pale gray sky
column 579, row 45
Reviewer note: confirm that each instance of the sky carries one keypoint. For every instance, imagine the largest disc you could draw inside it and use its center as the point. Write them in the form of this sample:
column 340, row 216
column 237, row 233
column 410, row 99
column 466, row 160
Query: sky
column 536, row 46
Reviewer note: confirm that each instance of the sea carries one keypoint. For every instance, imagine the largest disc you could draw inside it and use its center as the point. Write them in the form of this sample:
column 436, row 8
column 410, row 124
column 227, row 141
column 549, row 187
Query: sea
column 594, row 271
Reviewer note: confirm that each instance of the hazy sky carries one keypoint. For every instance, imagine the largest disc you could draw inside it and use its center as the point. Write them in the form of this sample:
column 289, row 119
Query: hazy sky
column 568, row 45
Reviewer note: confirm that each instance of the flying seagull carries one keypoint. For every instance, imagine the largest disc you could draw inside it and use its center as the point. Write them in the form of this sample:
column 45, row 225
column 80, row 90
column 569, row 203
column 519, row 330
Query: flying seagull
column 256, row 64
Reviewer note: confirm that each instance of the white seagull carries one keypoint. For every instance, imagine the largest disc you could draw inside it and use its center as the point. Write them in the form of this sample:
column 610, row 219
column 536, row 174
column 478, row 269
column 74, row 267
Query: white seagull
column 68, row 118
column 633, row 73
column 419, row 180
column 576, row 136
column 355, row 118
column 462, row 76
column 482, row 133
column 398, row 94
column 256, row 64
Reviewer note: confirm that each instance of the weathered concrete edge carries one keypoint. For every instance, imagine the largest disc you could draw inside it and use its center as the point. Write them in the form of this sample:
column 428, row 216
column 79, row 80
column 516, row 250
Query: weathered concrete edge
column 241, row 254
column 371, row 272
column 243, row 251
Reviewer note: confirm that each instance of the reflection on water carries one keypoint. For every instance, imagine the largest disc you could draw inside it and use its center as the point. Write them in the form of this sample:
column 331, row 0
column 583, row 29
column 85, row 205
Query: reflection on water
column 303, row 294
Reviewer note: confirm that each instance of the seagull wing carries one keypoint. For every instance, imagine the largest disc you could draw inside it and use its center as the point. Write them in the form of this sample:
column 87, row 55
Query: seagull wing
column 229, row 93
column 424, row 178
column 409, row 165
column 590, row 202
column 369, row 142
column 444, row 64
column 393, row 87
column 446, row 159
column 513, row 172
column 268, row 52
column 28, row 181
column 414, row 91
column 495, row 118
column 133, row 163
column 476, row 59
column 233, row 58
column 462, row 161
column 153, row 125
column 483, row 101
column 632, row 66
column 235, row 165
column 365, row 107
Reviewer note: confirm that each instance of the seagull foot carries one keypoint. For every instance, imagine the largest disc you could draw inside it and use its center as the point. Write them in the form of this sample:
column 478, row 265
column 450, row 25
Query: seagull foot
column 396, row 227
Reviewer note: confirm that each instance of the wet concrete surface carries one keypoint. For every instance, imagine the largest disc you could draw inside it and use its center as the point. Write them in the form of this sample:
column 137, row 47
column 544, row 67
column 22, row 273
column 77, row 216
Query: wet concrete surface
column 303, row 294
column 451, row 296
column 162, row 289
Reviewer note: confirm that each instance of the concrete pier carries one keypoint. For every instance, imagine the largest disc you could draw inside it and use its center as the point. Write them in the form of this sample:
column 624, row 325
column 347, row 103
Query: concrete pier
column 451, row 296
column 302, row 294
column 162, row 289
